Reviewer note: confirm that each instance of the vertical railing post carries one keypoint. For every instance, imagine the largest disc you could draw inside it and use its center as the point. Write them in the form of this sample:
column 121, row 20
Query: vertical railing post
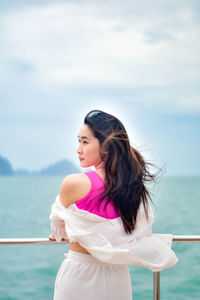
column 156, row 286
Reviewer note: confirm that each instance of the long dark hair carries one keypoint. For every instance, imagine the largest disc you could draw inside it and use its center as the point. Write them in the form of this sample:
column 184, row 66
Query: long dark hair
column 125, row 168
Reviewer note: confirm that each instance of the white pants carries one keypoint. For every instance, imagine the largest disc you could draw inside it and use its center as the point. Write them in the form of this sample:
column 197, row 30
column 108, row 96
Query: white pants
column 81, row 276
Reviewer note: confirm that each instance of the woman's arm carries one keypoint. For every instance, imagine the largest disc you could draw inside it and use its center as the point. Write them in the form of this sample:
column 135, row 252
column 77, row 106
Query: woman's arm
column 57, row 217
column 73, row 188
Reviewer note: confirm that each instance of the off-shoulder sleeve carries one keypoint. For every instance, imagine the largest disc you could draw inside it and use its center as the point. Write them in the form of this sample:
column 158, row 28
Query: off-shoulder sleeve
column 57, row 217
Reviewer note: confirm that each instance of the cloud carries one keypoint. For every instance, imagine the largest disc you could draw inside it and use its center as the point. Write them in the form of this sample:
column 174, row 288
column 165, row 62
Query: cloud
column 104, row 45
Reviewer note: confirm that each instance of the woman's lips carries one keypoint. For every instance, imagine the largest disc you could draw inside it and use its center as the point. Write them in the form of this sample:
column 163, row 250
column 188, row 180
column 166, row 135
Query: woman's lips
column 81, row 158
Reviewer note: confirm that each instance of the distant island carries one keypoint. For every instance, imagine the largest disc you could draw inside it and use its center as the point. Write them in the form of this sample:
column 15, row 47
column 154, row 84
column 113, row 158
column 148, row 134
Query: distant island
column 60, row 168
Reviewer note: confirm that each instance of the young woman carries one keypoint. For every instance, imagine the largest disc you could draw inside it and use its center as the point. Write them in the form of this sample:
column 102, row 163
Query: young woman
column 106, row 216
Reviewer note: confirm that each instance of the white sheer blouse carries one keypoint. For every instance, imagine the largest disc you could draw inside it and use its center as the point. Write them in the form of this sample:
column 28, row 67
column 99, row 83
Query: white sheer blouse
column 107, row 240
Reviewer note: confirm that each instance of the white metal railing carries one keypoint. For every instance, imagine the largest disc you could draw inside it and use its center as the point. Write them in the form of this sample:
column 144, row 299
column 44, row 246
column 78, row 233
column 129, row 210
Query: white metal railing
column 156, row 275
column 46, row 241
column 28, row 241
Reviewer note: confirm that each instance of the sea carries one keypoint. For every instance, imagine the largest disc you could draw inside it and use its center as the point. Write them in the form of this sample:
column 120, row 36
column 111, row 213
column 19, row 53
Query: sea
column 28, row 272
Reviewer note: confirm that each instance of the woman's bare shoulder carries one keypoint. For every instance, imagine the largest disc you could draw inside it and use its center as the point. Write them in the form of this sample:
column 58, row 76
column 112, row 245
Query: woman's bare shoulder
column 73, row 188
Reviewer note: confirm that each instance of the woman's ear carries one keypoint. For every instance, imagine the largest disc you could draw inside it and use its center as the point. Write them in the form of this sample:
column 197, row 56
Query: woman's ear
column 103, row 153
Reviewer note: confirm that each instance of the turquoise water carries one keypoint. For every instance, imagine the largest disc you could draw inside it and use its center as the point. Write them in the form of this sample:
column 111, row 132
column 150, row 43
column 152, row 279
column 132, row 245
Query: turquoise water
column 28, row 272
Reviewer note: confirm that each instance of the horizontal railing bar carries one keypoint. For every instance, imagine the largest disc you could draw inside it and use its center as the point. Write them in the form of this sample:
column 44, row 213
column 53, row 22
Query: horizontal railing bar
column 28, row 241
column 186, row 238
column 46, row 241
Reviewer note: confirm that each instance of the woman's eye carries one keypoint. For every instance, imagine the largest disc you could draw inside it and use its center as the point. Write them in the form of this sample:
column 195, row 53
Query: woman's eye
column 84, row 142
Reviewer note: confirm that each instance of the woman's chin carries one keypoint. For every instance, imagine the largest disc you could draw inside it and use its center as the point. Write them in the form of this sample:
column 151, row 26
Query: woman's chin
column 85, row 165
column 82, row 165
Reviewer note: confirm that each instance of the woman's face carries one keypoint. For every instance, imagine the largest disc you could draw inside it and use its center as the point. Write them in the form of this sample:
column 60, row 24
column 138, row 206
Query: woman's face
column 89, row 148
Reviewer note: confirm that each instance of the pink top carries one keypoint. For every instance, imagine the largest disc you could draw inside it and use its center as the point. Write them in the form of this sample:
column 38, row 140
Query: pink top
column 91, row 201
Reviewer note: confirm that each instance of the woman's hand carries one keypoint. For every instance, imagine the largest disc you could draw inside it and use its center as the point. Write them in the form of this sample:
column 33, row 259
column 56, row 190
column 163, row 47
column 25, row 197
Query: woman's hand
column 52, row 237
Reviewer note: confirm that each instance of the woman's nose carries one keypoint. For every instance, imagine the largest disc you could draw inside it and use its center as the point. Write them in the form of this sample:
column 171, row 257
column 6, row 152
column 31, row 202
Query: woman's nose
column 79, row 151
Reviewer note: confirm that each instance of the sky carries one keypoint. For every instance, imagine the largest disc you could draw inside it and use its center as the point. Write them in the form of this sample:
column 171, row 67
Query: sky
column 138, row 60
